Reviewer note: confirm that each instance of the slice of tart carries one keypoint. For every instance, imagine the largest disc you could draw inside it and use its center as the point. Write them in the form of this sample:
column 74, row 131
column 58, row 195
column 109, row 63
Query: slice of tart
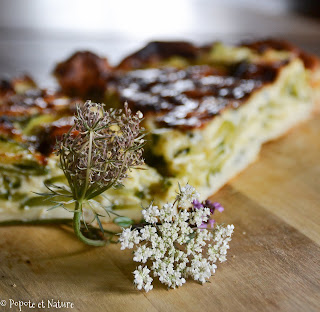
column 207, row 111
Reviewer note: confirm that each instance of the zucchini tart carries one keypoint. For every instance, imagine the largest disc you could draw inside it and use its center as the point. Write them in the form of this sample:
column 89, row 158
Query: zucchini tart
column 207, row 111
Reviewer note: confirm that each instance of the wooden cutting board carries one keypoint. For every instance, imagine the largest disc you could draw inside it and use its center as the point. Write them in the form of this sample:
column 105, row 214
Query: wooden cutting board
column 274, row 260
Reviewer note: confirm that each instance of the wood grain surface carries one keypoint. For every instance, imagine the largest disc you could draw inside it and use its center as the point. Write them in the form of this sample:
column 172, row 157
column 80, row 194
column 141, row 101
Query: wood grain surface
column 273, row 263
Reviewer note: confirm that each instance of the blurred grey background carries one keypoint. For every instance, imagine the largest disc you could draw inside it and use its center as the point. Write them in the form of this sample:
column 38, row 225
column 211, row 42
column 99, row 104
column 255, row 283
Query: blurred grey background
column 35, row 34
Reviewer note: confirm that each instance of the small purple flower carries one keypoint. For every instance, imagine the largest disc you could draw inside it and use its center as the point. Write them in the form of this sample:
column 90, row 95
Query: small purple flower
column 196, row 204
column 209, row 204
column 218, row 206
column 203, row 225
column 211, row 221
column 213, row 206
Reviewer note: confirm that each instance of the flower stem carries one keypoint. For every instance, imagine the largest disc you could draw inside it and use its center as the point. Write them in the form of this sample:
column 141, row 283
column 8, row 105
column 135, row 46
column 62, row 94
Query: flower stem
column 77, row 228
column 88, row 164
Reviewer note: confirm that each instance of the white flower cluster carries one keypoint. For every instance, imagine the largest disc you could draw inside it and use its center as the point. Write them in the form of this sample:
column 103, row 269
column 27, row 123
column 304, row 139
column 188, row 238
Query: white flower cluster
column 173, row 247
column 187, row 195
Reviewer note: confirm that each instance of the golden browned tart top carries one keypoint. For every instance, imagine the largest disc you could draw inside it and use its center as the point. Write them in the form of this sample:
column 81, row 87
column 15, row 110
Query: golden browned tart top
column 176, row 83
column 190, row 97
column 23, row 105
column 186, row 95
column 310, row 61
column 157, row 51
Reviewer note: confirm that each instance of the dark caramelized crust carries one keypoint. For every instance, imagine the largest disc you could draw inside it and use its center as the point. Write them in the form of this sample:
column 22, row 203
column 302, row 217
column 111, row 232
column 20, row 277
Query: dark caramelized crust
column 48, row 135
column 310, row 61
column 15, row 85
column 17, row 110
column 191, row 97
column 32, row 102
column 6, row 89
column 157, row 51
column 83, row 74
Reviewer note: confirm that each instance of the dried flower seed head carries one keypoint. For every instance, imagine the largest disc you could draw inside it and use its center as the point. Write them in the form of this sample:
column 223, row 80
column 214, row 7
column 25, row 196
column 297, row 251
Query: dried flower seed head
column 100, row 148
column 96, row 154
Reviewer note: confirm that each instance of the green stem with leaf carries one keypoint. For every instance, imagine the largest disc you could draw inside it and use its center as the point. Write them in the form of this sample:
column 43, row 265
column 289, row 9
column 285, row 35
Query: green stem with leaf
column 77, row 228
